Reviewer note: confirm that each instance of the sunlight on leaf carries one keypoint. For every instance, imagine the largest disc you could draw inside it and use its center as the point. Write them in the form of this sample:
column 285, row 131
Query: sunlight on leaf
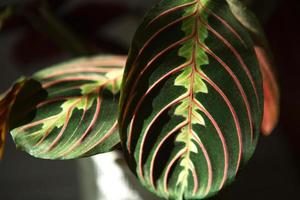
column 192, row 99
column 77, row 117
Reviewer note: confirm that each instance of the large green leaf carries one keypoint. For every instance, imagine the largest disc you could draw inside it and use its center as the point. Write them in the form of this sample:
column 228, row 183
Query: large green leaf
column 191, row 102
column 77, row 115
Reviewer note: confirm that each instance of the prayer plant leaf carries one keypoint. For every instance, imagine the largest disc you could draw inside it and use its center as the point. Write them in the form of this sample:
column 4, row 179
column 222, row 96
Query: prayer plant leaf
column 192, row 99
column 266, row 62
column 77, row 115
column 7, row 101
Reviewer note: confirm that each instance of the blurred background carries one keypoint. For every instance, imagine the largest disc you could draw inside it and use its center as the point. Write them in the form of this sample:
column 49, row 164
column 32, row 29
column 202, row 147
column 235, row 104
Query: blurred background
column 36, row 34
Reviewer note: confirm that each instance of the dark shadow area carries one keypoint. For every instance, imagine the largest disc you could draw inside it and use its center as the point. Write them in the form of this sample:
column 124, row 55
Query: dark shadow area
column 270, row 174
column 23, row 177
column 24, row 108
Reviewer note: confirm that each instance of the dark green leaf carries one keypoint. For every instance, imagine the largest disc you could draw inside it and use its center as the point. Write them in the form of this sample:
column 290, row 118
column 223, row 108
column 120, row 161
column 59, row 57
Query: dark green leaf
column 77, row 117
column 191, row 101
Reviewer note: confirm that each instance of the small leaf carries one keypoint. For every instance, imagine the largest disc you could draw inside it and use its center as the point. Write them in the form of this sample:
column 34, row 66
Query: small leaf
column 7, row 101
column 77, row 117
column 192, row 99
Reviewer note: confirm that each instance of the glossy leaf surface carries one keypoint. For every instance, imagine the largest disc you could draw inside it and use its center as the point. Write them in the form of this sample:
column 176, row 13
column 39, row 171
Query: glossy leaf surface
column 78, row 115
column 191, row 100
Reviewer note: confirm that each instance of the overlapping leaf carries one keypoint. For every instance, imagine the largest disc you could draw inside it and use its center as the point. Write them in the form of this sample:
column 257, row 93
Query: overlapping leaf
column 7, row 100
column 77, row 115
column 192, row 100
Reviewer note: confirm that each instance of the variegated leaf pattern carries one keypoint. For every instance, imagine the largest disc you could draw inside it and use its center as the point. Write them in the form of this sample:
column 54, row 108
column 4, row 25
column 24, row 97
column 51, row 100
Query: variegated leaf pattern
column 266, row 63
column 191, row 101
column 78, row 116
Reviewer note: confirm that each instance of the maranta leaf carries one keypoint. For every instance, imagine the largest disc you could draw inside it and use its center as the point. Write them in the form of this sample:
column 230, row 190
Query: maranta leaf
column 7, row 101
column 192, row 99
column 266, row 63
column 77, row 115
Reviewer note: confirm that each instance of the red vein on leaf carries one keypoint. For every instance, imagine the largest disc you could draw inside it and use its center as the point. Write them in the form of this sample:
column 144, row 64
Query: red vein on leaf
column 221, row 136
column 230, row 28
column 190, row 95
column 191, row 89
column 173, row 9
column 174, row 102
column 196, row 182
column 190, row 107
column 106, row 135
column 177, row 128
column 68, row 116
column 238, row 56
column 176, row 44
column 225, row 23
column 161, row 53
column 166, row 176
column 237, row 82
column 209, row 166
column 33, row 124
column 115, row 61
column 145, row 95
column 66, row 72
column 61, row 151
column 134, row 85
column 66, row 79
column 157, row 33
column 153, row 37
column 91, row 125
column 233, row 113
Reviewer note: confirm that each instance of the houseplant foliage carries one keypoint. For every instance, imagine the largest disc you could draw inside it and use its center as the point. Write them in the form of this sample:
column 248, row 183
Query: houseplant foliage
column 191, row 100
column 76, row 114
column 173, row 93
